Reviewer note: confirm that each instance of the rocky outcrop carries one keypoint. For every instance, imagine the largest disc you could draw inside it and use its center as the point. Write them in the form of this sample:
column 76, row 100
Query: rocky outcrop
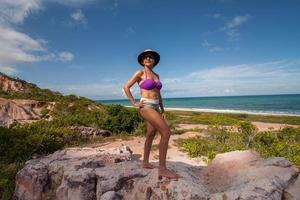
column 8, row 84
column 19, row 110
column 90, row 132
column 245, row 175
column 106, row 174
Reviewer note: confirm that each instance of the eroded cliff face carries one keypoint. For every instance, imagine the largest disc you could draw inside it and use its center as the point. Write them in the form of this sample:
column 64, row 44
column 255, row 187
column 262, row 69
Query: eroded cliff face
column 116, row 173
column 8, row 84
column 19, row 110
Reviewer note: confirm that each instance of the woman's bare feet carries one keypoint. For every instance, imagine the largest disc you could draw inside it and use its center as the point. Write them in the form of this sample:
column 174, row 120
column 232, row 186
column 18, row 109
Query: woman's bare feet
column 168, row 173
column 148, row 166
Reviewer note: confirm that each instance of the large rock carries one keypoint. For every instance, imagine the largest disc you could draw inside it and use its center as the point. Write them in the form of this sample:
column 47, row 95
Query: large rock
column 90, row 132
column 19, row 110
column 245, row 175
column 106, row 174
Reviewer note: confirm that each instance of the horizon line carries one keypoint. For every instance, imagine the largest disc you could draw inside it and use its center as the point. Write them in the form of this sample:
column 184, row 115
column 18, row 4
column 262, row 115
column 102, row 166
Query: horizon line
column 206, row 96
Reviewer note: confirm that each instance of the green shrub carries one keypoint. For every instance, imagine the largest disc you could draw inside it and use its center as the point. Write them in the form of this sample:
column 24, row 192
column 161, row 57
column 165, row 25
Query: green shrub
column 290, row 134
column 282, row 143
column 7, row 178
column 141, row 129
column 218, row 141
column 19, row 144
column 230, row 119
column 213, row 119
column 219, row 134
column 248, row 132
column 120, row 119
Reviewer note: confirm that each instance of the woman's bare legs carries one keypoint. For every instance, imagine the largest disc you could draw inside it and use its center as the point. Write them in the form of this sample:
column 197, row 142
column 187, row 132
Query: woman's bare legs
column 156, row 120
column 148, row 144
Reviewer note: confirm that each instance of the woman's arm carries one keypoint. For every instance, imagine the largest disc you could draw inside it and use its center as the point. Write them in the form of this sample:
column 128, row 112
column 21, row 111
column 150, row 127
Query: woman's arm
column 161, row 103
column 129, row 84
column 160, row 98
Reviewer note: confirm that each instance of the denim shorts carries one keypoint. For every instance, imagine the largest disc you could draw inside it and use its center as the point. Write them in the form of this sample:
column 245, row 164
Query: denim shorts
column 150, row 103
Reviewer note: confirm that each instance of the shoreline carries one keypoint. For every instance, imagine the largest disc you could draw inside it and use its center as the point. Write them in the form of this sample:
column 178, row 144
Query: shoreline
column 227, row 111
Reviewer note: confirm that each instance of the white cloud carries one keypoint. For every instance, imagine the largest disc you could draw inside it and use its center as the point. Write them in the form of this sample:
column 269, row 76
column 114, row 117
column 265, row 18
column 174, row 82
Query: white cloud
column 233, row 34
column 231, row 26
column 243, row 79
column 237, row 21
column 17, row 47
column 205, row 43
column 276, row 69
column 113, row 8
column 72, row 3
column 216, row 49
column 78, row 16
column 8, row 70
column 212, row 48
column 103, row 90
column 106, row 88
column 259, row 78
column 15, row 11
column 65, row 56
column 216, row 15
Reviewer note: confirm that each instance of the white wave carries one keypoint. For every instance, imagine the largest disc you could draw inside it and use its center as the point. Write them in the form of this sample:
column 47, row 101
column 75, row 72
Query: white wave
column 235, row 111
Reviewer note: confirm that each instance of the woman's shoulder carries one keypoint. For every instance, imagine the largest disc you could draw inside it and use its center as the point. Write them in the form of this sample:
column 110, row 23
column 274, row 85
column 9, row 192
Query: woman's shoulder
column 140, row 71
column 156, row 74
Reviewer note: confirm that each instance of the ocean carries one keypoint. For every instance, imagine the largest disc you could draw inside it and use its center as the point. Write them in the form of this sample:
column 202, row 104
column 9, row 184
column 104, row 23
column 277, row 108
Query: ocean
column 255, row 104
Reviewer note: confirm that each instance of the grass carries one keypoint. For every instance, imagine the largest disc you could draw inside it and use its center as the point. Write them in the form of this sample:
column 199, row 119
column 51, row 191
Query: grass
column 191, row 117
column 281, row 143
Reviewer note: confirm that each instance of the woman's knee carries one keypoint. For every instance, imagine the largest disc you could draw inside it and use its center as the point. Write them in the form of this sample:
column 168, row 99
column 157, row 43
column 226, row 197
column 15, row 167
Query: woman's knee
column 166, row 132
column 151, row 133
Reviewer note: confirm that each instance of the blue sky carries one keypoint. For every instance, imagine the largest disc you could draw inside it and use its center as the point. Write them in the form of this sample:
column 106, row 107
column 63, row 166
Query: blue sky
column 208, row 48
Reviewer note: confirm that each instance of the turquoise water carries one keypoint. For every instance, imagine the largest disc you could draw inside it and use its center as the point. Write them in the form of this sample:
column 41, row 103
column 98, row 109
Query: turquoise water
column 259, row 104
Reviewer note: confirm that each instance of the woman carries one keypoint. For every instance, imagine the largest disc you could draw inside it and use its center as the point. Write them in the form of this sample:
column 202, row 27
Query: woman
column 149, row 105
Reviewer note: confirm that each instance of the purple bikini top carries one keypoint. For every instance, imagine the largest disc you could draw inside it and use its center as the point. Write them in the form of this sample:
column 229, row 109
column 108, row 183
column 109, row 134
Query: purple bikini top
column 149, row 84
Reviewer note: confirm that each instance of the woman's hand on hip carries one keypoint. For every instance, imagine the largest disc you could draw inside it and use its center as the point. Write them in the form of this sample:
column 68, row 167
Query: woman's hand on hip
column 139, row 104
column 163, row 115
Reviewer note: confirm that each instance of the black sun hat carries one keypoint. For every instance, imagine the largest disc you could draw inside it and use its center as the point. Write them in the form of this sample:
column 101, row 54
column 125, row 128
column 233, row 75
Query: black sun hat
column 149, row 51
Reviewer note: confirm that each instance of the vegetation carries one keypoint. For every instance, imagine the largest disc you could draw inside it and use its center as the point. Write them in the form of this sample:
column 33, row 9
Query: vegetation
column 285, row 142
column 228, row 118
column 219, row 140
